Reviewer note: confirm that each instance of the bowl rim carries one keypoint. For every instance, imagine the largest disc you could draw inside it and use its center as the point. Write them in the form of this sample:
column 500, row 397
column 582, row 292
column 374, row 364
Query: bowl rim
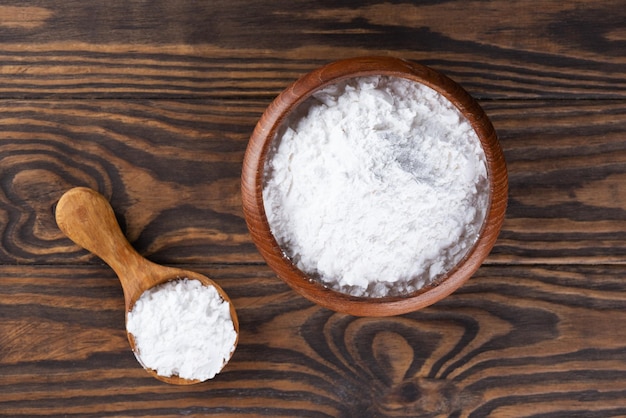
column 252, row 185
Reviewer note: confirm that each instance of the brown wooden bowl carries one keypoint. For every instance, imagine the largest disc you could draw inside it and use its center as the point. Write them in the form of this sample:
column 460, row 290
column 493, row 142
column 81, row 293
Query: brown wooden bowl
column 252, row 186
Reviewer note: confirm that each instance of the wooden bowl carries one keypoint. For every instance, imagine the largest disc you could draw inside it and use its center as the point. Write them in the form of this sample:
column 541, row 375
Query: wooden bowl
column 252, row 186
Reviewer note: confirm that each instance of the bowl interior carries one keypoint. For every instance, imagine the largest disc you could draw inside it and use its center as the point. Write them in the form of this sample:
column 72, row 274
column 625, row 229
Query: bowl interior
column 288, row 101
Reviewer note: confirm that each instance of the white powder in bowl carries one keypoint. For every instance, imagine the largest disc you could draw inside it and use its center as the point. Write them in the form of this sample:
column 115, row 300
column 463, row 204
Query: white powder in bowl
column 182, row 328
column 376, row 186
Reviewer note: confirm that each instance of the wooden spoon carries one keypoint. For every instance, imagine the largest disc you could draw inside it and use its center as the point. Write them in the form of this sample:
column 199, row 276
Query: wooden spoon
column 86, row 217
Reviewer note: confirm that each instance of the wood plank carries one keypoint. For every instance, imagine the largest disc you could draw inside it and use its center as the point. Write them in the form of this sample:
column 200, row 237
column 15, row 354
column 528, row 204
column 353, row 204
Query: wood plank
column 513, row 341
column 172, row 169
column 496, row 49
column 566, row 165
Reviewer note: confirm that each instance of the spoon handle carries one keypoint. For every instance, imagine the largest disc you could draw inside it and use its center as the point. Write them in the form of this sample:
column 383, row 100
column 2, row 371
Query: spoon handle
column 87, row 218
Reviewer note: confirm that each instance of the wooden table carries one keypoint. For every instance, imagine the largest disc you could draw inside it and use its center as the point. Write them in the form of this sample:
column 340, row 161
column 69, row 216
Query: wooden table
column 152, row 104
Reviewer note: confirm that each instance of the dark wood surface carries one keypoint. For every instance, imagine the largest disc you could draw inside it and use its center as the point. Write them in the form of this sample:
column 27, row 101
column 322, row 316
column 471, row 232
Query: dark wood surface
column 152, row 104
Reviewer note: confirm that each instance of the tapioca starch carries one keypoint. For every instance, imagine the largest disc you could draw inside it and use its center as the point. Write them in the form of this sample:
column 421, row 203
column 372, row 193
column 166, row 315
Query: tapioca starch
column 182, row 328
column 376, row 187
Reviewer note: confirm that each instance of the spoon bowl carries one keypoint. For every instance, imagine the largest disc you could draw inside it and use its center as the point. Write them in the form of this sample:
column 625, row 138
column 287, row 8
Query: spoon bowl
column 87, row 218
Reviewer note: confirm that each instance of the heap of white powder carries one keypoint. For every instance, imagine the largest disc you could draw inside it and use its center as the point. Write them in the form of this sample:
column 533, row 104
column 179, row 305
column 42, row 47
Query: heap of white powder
column 376, row 187
column 182, row 328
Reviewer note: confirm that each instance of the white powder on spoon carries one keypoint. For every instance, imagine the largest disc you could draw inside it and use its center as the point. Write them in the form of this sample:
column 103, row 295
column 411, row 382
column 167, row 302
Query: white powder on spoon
column 182, row 328
column 376, row 186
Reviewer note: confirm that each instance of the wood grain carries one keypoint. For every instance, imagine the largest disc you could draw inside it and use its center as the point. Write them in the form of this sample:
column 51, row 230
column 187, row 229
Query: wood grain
column 162, row 164
column 567, row 49
column 566, row 182
column 172, row 170
column 513, row 341
column 152, row 104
